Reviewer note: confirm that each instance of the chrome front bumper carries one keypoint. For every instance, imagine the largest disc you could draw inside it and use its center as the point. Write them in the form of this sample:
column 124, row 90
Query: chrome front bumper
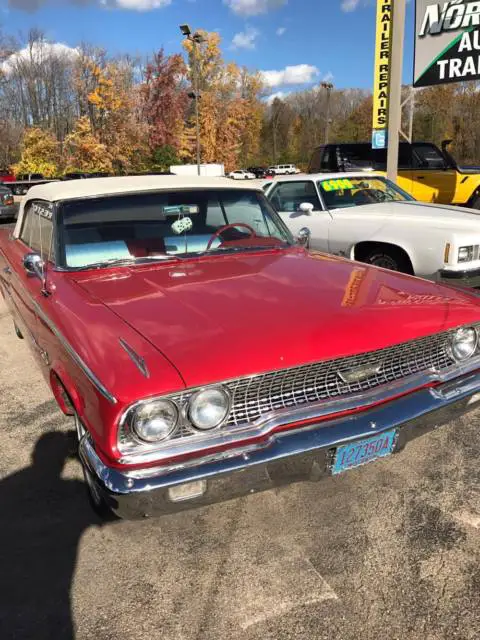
column 299, row 455
column 465, row 278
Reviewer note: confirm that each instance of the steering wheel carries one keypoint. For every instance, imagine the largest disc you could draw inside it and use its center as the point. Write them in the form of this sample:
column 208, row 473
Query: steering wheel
column 364, row 196
column 231, row 226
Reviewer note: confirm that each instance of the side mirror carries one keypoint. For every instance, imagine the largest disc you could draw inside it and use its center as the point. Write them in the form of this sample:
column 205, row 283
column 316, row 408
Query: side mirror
column 303, row 237
column 307, row 208
column 34, row 265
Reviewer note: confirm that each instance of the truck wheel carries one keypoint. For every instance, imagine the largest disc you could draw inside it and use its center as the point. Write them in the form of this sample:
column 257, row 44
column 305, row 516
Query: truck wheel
column 475, row 202
column 388, row 259
column 95, row 498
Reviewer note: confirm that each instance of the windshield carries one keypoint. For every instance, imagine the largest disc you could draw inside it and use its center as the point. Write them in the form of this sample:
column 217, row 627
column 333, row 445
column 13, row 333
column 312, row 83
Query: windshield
column 149, row 226
column 343, row 193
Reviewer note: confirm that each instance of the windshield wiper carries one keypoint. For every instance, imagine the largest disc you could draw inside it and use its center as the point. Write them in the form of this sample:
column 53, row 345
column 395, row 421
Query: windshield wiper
column 123, row 262
column 239, row 249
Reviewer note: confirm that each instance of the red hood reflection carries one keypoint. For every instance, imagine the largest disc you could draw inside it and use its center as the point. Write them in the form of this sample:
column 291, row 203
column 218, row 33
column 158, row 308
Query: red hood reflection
column 222, row 317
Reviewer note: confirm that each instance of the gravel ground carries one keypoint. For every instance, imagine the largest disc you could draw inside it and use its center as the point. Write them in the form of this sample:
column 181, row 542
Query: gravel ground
column 388, row 551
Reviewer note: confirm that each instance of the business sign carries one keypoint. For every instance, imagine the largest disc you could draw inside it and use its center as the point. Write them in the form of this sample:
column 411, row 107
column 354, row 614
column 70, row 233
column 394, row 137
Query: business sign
column 381, row 87
column 447, row 42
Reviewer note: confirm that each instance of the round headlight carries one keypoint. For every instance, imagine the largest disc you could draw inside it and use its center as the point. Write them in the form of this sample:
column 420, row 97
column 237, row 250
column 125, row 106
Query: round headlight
column 155, row 421
column 208, row 408
column 464, row 343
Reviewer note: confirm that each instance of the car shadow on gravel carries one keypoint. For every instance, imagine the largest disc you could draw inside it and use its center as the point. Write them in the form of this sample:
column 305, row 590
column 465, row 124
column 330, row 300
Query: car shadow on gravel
column 43, row 517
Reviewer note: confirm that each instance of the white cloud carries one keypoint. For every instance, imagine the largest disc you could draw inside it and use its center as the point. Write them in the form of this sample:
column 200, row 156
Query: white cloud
column 328, row 77
column 253, row 7
column 135, row 5
column 38, row 53
column 245, row 39
column 280, row 31
column 296, row 74
column 139, row 5
column 349, row 5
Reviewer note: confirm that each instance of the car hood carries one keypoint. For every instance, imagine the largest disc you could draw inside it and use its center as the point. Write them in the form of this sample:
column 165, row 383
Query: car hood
column 440, row 216
column 221, row 317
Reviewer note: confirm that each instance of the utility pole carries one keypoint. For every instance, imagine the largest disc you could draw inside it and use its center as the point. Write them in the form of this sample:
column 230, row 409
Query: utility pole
column 328, row 86
column 395, row 108
column 196, row 39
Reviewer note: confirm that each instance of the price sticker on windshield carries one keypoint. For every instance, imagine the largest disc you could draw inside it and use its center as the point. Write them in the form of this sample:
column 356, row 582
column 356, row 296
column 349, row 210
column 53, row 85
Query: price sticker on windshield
column 337, row 185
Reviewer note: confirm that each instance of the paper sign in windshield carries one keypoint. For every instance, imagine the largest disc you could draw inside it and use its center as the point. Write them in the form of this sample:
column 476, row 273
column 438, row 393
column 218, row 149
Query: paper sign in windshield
column 180, row 210
column 337, row 185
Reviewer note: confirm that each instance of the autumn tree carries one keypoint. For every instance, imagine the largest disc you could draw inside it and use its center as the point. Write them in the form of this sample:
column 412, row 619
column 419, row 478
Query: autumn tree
column 36, row 87
column 39, row 153
column 229, row 106
column 164, row 100
column 357, row 126
column 115, row 125
column 83, row 153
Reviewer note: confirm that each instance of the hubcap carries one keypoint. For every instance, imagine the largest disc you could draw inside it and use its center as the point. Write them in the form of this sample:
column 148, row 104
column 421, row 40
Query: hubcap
column 385, row 261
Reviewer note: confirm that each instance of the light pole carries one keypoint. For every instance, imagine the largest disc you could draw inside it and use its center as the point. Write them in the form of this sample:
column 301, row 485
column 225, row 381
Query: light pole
column 328, row 86
column 195, row 38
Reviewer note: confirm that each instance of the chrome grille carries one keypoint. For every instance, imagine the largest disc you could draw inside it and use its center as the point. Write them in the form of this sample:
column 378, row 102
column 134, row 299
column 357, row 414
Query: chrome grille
column 256, row 396
column 259, row 395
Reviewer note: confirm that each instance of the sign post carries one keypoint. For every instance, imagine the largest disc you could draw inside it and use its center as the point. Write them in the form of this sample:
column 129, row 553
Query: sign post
column 396, row 68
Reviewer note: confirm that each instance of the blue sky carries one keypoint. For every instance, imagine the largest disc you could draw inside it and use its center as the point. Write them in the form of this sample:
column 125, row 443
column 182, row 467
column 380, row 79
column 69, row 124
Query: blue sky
column 314, row 38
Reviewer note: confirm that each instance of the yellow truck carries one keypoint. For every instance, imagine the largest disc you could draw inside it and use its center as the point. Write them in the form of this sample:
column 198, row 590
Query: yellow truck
column 428, row 173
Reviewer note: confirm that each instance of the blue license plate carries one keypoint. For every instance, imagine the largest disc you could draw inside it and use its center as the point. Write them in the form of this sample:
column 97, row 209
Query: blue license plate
column 357, row 453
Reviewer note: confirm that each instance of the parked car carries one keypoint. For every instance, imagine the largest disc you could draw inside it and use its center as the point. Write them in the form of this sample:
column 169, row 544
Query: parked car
column 425, row 172
column 241, row 174
column 6, row 176
column 76, row 175
column 137, row 296
column 367, row 218
column 284, row 169
column 8, row 208
column 260, row 173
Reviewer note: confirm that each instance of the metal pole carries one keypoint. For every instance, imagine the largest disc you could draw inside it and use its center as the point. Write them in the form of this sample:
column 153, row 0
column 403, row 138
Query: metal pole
column 327, row 127
column 197, row 118
column 395, row 109
column 412, row 114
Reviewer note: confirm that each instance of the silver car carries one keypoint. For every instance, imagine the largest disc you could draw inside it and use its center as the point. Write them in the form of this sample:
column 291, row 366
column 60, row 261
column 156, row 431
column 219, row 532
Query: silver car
column 8, row 208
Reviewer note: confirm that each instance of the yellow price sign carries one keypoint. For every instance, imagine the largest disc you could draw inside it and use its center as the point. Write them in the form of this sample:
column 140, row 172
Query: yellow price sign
column 337, row 185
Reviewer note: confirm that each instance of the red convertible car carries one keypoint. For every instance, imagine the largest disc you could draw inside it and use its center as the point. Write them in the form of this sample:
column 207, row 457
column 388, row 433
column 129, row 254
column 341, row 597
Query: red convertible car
column 204, row 354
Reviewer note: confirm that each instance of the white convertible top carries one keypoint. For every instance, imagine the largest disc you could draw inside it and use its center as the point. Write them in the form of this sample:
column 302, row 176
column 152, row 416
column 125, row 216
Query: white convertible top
column 94, row 187
column 90, row 187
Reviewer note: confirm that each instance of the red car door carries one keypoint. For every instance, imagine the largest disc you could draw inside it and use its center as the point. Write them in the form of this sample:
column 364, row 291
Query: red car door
column 24, row 289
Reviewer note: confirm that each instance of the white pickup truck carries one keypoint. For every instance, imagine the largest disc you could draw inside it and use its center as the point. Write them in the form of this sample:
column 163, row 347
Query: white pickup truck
column 369, row 219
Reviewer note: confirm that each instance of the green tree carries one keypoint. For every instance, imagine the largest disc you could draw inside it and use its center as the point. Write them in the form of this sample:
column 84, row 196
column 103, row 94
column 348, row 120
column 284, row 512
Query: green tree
column 164, row 157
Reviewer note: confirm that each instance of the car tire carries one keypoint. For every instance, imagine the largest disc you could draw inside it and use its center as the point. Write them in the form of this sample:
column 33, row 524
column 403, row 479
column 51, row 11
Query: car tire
column 475, row 202
column 96, row 500
column 390, row 259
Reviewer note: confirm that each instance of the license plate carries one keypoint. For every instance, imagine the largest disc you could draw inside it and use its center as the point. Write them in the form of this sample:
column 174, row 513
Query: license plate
column 357, row 453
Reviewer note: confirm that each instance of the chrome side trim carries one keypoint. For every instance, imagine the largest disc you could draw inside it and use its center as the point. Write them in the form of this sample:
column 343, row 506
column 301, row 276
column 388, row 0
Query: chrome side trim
column 73, row 354
column 137, row 360
column 262, row 428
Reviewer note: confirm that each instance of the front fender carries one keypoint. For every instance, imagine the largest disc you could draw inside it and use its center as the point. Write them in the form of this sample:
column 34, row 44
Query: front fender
column 406, row 246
